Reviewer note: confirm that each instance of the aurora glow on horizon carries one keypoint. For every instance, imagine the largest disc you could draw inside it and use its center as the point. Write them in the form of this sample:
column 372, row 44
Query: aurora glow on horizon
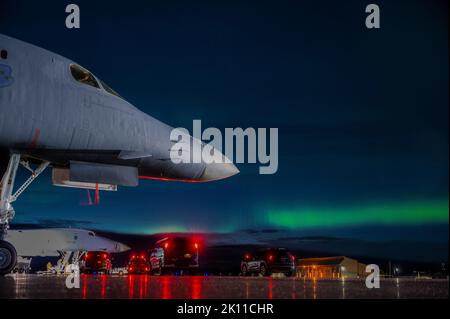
column 414, row 213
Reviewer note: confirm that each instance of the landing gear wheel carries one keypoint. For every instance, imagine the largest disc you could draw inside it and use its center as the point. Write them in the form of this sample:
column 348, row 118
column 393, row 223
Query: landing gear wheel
column 8, row 257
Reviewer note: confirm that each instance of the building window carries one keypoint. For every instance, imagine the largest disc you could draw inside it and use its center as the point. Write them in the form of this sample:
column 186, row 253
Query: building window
column 84, row 76
column 4, row 54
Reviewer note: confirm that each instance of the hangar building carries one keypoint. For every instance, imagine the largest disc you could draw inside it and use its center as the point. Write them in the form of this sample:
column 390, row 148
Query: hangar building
column 330, row 268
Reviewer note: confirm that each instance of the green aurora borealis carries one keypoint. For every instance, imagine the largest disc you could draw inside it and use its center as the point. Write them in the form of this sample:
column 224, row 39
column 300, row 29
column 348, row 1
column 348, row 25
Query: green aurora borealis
column 409, row 213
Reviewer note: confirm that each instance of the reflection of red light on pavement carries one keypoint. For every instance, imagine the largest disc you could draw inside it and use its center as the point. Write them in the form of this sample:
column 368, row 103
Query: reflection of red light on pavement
column 85, row 285
column 196, row 287
column 141, row 287
column 166, row 288
column 130, row 286
column 270, row 288
column 146, row 286
column 103, row 289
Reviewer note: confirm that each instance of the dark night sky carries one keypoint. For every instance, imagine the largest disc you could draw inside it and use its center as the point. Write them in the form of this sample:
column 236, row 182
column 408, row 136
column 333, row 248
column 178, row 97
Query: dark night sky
column 362, row 114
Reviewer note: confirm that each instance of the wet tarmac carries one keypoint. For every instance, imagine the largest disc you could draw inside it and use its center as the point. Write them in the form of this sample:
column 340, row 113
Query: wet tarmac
column 197, row 287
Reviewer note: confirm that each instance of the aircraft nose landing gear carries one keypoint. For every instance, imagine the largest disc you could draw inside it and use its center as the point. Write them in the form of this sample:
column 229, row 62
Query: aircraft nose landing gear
column 8, row 254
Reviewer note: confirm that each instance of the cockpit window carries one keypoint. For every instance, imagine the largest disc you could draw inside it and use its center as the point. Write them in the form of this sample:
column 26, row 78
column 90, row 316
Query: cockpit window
column 109, row 90
column 84, row 76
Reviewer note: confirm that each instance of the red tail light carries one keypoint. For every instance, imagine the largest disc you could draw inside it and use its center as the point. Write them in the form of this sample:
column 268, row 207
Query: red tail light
column 130, row 268
column 86, row 256
column 104, row 256
column 142, row 256
column 134, row 256
column 166, row 245
column 270, row 257
column 147, row 269
column 196, row 246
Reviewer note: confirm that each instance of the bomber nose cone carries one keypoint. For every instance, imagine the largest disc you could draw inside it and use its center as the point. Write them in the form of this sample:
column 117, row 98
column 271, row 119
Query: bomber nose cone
column 123, row 247
column 215, row 171
column 118, row 247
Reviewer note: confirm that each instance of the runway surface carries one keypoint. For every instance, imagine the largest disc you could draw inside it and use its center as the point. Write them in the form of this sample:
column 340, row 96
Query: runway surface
column 196, row 287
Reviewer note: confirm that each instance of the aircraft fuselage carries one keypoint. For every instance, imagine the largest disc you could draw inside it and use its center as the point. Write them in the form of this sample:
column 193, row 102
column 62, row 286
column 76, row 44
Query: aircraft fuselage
column 47, row 114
